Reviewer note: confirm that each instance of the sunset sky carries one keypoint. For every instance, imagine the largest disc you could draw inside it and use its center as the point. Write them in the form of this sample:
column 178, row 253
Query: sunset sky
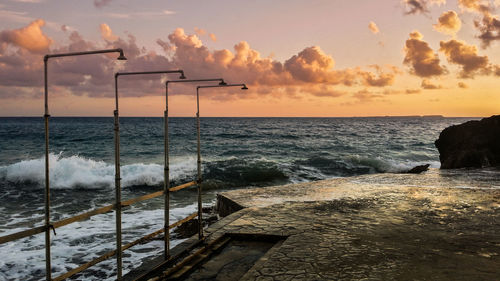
column 299, row 58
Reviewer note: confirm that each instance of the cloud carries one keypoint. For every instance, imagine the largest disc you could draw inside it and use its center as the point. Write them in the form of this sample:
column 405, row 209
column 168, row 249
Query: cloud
column 310, row 71
column 428, row 85
column 458, row 52
column 212, row 37
column 462, row 85
column 311, row 65
column 15, row 16
column 101, row 3
column 479, row 6
column 420, row 6
column 366, row 95
column 489, row 25
column 373, row 27
column 413, row 91
column 489, row 28
column 141, row 15
column 380, row 78
column 199, row 31
column 421, row 58
column 106, row 33
column 30, row 37
column 448, row 23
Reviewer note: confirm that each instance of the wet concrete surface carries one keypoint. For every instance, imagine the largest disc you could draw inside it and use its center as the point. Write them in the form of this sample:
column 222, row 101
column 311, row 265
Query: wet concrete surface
column 232, row 262
column 376, row 227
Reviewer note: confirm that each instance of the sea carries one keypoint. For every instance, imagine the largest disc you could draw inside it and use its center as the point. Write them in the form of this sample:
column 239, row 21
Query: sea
column 236, row 153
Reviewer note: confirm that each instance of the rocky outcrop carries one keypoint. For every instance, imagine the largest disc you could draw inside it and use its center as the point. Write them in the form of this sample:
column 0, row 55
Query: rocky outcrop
column 471, row 144
column 418, row 169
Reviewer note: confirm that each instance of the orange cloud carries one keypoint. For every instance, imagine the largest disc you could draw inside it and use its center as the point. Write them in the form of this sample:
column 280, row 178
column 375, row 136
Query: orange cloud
column 458, row 52
column 479, row 6
column 200, row 31
column 106, row 32
column 428, row 85
column 213, row 37
column 448, row 23
column 309, row 72
column 373, row 27
column 421, row 58
column 311, row 65
column 462, row 85
column 30, row 37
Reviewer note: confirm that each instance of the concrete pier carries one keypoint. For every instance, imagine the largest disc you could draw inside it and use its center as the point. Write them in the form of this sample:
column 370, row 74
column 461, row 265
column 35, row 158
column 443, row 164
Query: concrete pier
column 433, row 226
column 376, row 227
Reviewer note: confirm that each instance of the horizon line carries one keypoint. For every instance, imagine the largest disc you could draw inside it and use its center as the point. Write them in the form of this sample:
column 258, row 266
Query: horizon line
column 371, row 116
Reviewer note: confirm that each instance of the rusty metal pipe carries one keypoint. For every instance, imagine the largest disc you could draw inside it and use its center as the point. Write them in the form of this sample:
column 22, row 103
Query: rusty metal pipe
column 199, row 180
column 48, row 268
column 117, row 166
column 48, row 271
column 166, row 175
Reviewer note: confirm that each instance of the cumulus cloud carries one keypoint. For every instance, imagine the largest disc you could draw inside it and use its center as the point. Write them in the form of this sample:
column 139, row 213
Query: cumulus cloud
column 428, row 85
column 373, row 27
column 311, row 65
column 466, row 56
column 30, row 37
column 462, row 85
column 213, row 37
column 309, row 71
column 381, row 78
column 106, row 33
column 421, row 58
column 420, row 6
column 479, row 6
column 489, row 28
column 448, row 23
column 489, row 25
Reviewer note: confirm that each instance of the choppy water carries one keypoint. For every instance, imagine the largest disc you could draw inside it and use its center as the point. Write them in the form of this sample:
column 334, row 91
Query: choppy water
column 237, row 153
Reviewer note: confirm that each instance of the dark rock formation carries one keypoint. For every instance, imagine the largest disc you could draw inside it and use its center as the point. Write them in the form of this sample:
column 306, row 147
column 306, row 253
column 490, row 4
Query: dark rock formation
column 472, row 144
column 419, row 169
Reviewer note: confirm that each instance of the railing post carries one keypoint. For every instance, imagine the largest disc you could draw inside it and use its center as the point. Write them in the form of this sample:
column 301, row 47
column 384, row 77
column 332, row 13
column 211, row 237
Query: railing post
column 48, row 268
column 200, row 219
column 118, row 188
column 166, row 179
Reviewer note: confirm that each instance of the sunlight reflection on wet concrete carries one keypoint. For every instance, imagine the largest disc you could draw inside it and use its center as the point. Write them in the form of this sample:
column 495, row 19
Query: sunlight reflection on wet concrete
column 441, row 225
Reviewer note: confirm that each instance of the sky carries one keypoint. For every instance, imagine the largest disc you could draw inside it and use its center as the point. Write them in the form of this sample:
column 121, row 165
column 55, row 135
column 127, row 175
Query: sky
column 321, row 58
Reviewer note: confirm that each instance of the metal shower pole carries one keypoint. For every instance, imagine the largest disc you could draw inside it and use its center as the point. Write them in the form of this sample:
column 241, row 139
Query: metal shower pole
column 166, row 169
column 199, row 180
column 117, row 164
column 48, row 225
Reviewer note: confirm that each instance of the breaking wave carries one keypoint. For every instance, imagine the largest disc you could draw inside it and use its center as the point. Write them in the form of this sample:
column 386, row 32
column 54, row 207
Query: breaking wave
column 80, row 172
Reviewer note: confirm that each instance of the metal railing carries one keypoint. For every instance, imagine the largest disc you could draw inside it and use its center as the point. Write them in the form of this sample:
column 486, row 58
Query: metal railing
column 102, row 210
column 119, row 204
column 108, row 208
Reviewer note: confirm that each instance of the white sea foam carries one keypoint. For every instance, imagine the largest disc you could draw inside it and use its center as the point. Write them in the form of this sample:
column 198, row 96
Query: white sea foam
column 77, row 171
column 83, row 241
column 389, row 165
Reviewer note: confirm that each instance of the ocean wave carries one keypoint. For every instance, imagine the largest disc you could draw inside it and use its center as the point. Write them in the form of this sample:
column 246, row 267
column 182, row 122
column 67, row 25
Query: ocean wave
column 353, row 165
column 80, row 172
